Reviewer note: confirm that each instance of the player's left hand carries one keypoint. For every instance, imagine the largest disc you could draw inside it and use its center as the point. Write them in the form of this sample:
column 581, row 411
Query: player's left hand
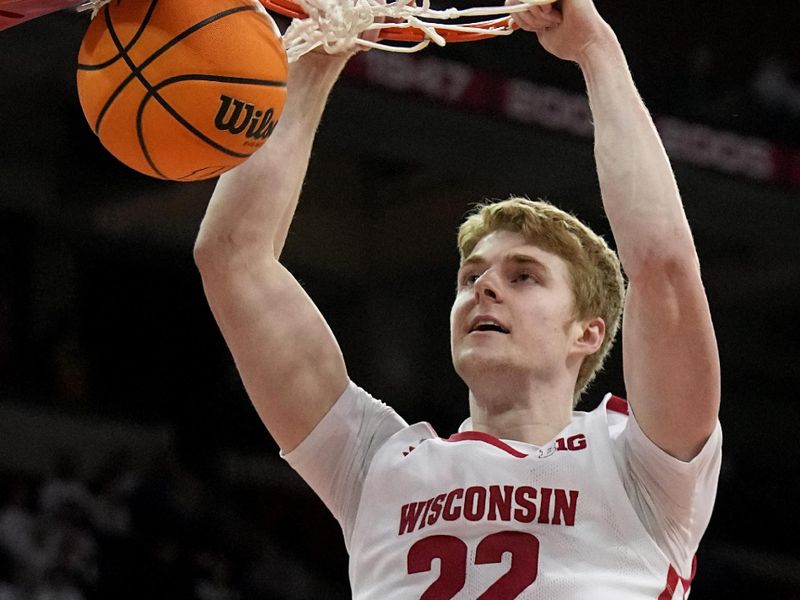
column 565, row 31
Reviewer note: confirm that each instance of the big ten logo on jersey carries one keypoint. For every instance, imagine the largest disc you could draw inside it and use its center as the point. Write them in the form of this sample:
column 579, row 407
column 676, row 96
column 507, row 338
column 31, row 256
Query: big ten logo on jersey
column 572, row 443
column 244, row 116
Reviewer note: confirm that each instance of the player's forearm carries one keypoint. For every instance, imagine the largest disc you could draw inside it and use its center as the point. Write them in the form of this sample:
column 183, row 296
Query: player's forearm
column 253, row 205
column 640, row 196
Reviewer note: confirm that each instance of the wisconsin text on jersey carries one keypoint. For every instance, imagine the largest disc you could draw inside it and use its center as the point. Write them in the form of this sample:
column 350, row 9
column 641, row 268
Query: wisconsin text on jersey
column 493, row 503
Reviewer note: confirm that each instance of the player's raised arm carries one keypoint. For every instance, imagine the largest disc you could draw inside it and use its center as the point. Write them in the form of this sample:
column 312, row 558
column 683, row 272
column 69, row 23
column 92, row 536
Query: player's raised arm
column 670, row 356
column 287, row 356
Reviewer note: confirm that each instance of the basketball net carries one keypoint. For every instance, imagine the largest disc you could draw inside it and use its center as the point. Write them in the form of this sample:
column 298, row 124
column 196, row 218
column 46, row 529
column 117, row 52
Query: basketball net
column 341, row 26
column 92, row 5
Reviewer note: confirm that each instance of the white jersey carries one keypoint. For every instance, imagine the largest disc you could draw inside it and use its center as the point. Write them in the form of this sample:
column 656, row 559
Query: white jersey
column 475, row 517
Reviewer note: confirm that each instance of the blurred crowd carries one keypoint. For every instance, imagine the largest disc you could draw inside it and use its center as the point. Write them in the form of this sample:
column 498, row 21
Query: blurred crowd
column 132, row 531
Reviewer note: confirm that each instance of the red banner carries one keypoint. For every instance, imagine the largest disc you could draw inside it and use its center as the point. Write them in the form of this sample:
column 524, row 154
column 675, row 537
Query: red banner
column 458, row 84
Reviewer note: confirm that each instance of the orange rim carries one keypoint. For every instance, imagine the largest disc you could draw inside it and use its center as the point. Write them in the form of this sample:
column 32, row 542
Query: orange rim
column 415, row 34
column 285, row 7
column 406, row 34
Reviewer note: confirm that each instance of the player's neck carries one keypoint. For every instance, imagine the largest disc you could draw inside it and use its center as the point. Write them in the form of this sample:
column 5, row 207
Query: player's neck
column 533, row 415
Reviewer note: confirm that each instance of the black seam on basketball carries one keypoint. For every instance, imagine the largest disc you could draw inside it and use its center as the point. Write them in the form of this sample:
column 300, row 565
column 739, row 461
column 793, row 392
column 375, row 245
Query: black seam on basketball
column 134, row 39
column 206, row 176
column 136, row 71
column 140, row 137
column 221, row 79
column 152, row 92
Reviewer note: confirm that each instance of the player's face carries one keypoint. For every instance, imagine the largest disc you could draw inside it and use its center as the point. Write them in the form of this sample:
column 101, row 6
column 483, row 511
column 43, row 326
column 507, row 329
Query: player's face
column 513, row 310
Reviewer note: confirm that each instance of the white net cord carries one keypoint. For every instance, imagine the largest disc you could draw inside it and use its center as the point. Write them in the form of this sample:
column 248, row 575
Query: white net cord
column 337, row 25
column 92, row 5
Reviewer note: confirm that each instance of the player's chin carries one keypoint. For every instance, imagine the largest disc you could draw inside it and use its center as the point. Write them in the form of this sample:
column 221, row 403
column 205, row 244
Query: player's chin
column 469, row 359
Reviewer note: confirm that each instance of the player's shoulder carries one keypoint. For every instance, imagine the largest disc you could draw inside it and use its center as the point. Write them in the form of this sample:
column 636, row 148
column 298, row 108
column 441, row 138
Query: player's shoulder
column 612, row 409
column 358, row 405
column 412, row 436
column 608, row 419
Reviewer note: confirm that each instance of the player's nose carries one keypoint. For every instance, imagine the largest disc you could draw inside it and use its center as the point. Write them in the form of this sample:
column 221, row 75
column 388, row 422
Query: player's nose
column 487, row 287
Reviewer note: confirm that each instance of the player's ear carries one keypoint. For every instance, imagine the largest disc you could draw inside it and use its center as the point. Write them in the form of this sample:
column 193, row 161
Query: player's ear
column 591, row 335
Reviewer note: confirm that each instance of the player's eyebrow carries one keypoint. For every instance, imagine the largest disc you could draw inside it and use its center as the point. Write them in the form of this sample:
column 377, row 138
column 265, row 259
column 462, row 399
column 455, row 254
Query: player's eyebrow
column 526, row 259
column 472, row 259
column 517, row 258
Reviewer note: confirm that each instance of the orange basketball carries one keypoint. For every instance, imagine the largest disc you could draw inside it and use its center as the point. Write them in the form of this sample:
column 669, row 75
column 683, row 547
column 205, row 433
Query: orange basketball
column 182, row 89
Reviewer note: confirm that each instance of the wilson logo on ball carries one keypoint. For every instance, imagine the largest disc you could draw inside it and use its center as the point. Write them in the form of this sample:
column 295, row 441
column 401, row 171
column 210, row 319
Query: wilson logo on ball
column 243, row 115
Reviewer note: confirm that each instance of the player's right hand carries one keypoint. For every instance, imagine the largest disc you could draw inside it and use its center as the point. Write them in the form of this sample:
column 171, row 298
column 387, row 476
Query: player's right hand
column 565, row 32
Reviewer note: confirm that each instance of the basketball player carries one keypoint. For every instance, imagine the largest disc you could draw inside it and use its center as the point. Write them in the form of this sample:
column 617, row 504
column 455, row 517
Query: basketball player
column 531, row 499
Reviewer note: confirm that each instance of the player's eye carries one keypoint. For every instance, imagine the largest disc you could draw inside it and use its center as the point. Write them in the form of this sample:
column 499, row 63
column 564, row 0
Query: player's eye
column 471, row 278
column 523, row 277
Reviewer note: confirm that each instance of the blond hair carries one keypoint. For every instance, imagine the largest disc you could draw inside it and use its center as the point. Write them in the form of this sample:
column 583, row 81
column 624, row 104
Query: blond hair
column 596, row 277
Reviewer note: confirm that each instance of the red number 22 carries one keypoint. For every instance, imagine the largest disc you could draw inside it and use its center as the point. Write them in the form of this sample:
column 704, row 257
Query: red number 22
column 452, row 554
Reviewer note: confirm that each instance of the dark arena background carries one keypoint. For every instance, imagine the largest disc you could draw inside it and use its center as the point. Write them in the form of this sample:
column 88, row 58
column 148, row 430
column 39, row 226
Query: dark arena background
column 132, row 465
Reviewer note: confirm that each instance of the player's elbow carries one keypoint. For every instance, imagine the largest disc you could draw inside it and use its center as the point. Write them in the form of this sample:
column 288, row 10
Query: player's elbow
column 668, row 261
column 208, row 251
column 217, row 255
column 224, row 264
column 223, row 249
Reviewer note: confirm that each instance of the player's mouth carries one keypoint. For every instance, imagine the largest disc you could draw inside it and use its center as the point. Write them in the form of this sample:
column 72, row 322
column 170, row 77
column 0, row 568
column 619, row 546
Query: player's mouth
column 487, row 324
